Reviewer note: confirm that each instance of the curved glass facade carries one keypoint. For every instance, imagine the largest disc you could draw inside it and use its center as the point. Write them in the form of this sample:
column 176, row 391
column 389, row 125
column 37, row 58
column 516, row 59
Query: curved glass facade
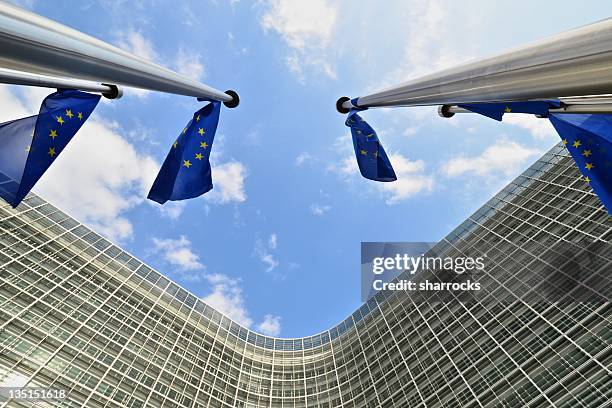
column 79, row 314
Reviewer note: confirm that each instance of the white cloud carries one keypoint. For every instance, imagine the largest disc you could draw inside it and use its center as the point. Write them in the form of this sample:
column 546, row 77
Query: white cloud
column 319, row 209
column 505, row 157
column 295, row 67
column 347, row 167
column 263, row 250
column 178, row 252
column 538, row 127
column 12, row 107
column 136, row 43
column 272, row 241
column 426, row 48
column 228, row 180
column 301, row 24
column 424, row 30
column 269, row 260
column 307, row 28
column 270, row 326
column 228, row 298
column 411, row 179
column 228, row 176
column 410, row 131
column 171, row 209
column 99, row 177
column 303, row 158
column 299, row 63
column 189, row 64
column 226, row 294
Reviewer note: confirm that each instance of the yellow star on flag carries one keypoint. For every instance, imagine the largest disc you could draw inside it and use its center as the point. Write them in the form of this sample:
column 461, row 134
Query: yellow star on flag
column 577, row 144
column 589, row 166
column 203, row 145
column 60, row 120
column 187, row 163
column 175, row 144
column 69, row 113
column 199, row 156
column 198, row 118
column 507, row 110
column 586, row 153
column 51, row 151
column 201, row 132
column 53, row 134
column 587, row 179
column 363, row 152
column 80, row 116
column 184, row 130
column 565, row 142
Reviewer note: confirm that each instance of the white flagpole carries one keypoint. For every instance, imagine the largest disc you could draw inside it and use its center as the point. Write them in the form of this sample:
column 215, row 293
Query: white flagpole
column 575, row 63
column 31, row 43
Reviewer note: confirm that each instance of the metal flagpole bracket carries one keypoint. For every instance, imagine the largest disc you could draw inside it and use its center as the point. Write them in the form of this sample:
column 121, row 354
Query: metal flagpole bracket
column 231, row 103
column 341, row 103
column 115, row 92
column 444, row 111
column 235, row 101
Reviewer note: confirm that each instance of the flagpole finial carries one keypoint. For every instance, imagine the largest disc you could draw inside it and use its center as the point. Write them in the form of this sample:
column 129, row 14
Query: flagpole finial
column 115, row 92
column 444, row 111
column 340, row 104
column 235, row 101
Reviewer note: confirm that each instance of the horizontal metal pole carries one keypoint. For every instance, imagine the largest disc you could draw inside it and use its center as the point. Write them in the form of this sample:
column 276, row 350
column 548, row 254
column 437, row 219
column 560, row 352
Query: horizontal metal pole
column 9, row 76
column 447, row 111
column 574, row 63
column 32, row 43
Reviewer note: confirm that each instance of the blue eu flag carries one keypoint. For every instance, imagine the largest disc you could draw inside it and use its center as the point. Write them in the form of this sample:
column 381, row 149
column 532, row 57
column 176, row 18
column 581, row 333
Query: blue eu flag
column 28, row 146
column 496, row 110
column 588, row 138
column 371, row 157
column 186, row 172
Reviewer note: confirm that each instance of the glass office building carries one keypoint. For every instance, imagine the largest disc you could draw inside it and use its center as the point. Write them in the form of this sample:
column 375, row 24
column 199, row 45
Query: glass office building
column 79, row 314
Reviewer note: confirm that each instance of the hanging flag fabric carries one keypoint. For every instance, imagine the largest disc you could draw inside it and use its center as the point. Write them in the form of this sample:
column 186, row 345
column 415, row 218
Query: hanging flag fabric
column 371, row 157
column 496, row 110
column 186, row 172
column 28, row 146
column 588, row 138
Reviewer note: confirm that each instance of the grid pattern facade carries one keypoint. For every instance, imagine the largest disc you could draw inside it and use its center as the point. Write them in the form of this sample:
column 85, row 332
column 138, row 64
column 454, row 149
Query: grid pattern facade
column 78, row 313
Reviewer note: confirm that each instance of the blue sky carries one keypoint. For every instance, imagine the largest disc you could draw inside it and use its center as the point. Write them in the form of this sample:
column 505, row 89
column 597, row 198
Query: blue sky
column 276, row 244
